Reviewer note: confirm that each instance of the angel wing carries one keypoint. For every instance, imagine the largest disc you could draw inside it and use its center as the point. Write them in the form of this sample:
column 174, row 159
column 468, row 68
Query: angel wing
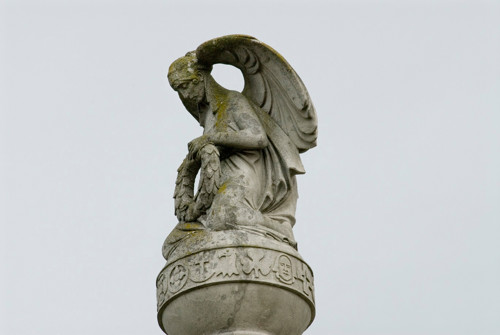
column 270, row 82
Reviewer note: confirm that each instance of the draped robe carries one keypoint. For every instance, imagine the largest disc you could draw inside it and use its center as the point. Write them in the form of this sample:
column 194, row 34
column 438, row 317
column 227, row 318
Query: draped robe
column 258, row 190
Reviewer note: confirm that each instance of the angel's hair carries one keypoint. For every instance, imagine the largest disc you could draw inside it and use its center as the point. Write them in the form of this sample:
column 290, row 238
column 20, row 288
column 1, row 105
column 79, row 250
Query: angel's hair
column 186, row 68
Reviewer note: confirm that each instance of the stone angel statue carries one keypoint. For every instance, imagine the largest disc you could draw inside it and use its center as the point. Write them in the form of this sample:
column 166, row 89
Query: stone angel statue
column 249, row 152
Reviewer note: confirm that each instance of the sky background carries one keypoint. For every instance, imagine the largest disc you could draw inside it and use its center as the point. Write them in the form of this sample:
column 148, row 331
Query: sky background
column 399, row 212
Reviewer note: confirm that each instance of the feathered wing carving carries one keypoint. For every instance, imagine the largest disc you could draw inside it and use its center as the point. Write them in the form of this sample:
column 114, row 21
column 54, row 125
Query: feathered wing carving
column 270, row 82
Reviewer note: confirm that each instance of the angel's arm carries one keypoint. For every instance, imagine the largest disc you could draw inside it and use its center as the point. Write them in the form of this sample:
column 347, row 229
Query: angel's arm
column 251, row 134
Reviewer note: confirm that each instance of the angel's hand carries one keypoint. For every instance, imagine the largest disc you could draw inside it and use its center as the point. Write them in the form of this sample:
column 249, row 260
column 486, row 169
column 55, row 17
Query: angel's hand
column 195, row 145
column 192, row 213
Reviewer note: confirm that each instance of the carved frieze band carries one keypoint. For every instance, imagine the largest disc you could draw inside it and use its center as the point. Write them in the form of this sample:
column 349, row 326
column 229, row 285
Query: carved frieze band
column 244, row 264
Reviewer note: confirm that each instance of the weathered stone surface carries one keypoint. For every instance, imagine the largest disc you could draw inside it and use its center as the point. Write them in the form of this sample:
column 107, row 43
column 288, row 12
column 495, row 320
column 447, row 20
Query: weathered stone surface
column 232, row 261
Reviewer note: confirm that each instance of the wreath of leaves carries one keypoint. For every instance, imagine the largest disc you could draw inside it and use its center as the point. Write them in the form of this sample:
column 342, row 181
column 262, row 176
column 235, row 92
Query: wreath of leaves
column 189, row 207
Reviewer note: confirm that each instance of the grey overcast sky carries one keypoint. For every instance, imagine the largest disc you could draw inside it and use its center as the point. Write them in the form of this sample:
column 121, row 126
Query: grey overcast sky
column 399, row 212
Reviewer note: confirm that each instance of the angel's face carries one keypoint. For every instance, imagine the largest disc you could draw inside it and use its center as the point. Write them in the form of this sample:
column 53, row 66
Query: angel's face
column 191, row 90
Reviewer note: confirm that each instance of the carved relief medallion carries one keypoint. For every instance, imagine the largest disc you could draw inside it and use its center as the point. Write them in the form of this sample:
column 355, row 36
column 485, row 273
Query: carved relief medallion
column 178, row 278
column 284, row 269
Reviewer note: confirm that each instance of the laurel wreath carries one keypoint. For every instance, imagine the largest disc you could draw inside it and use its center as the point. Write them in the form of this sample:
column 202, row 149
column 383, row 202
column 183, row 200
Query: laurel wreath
column 189, row 207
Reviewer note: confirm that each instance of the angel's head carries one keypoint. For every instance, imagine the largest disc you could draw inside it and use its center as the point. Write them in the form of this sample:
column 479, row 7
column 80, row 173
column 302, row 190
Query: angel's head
column 186, row 76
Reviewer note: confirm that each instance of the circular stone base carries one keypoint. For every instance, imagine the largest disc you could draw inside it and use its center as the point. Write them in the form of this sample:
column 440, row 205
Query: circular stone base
column 234, row 283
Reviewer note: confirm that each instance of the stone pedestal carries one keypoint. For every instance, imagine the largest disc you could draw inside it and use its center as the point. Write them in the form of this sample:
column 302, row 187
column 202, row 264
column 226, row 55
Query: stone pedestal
column 236, row 283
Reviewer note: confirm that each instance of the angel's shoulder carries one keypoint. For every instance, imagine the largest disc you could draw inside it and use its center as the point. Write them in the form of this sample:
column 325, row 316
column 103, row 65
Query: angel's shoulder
column 239, row 102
